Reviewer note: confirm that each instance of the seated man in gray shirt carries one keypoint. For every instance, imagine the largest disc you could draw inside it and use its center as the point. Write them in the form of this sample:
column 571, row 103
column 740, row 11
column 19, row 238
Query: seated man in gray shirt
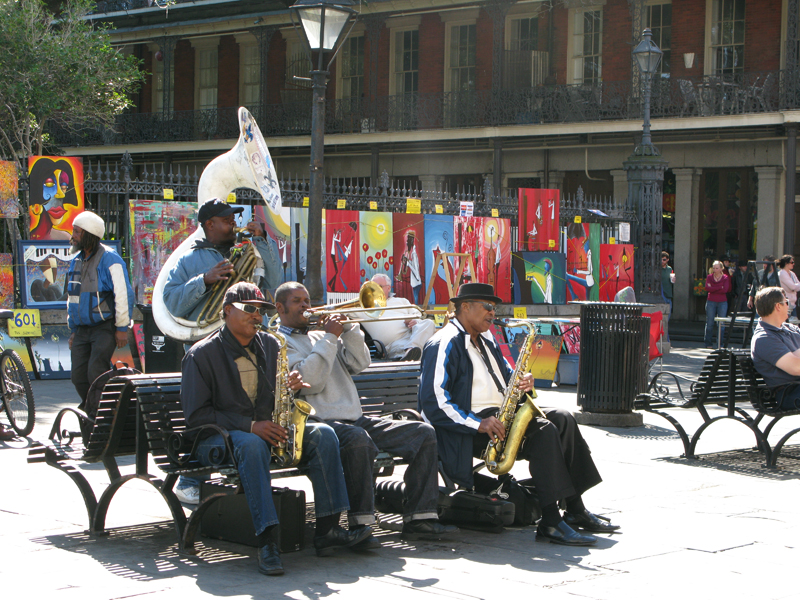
column 776, row 346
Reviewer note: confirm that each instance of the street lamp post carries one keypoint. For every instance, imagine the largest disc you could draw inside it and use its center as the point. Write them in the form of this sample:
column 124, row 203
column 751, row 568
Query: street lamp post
column 322, row 27
column 645, row 169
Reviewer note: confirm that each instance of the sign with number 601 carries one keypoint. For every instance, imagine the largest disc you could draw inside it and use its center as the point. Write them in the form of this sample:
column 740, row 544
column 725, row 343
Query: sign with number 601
column 25, row 323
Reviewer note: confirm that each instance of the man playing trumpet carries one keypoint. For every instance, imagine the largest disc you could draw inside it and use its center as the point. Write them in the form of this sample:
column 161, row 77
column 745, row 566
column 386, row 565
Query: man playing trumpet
column 462, row 385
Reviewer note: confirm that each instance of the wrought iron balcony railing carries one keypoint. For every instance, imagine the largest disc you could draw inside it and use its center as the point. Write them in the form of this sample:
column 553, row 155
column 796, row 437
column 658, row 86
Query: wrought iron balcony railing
column 745, row 93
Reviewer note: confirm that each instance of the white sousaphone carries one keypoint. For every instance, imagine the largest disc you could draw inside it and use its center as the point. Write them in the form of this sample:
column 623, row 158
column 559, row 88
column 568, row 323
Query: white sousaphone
column 247, row 165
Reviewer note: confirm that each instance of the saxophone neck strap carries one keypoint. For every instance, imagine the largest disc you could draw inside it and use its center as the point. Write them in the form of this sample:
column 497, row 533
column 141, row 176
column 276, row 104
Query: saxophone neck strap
column 240, row 350
column 481, row 346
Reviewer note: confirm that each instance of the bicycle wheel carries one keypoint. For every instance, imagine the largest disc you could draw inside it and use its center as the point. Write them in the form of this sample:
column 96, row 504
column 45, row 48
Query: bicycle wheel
column 17, row 393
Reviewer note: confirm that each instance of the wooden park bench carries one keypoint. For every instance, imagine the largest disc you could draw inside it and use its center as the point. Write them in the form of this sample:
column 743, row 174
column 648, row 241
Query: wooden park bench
column 765, row 401
column 720, row 383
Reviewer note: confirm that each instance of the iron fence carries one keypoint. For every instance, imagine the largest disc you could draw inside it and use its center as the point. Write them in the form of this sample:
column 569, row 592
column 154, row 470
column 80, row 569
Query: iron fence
column 735, row 94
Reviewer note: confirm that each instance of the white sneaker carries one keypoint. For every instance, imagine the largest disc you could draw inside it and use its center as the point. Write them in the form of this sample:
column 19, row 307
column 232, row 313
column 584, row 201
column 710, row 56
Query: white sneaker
column 189, row 494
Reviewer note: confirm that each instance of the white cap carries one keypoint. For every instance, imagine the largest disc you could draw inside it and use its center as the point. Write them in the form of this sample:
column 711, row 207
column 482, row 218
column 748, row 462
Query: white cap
column 88, row 221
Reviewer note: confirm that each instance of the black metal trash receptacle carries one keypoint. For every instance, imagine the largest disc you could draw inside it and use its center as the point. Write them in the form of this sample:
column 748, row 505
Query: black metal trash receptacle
column 613, row 357
column 162, row 354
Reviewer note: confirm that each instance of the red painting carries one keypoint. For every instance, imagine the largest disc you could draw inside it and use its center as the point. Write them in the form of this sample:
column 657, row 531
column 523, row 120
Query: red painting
column 342, row 251
column 538, row 220
column 616, row 269
column 465, row 235
column 409, row 257
column 494, row 249
column 56, row 195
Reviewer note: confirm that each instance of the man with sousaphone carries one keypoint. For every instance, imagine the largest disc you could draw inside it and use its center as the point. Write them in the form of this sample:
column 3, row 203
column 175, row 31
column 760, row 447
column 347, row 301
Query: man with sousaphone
column 465, row 384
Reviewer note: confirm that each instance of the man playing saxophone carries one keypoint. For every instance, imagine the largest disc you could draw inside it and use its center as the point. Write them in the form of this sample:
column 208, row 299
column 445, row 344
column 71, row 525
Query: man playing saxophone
column 229, row 380
column 462, row 385
column 192, row 281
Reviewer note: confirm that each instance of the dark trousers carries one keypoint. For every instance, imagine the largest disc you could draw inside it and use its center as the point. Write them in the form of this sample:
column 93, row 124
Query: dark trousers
column 415, row 442
column 92, row 348
column 559, row 459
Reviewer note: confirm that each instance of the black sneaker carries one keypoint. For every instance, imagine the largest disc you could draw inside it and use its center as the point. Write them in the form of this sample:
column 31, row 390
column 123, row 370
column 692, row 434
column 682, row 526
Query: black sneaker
column 340, row 538
column 269, row 560
column 368, row 543
column 412, row 354
column 426, row 529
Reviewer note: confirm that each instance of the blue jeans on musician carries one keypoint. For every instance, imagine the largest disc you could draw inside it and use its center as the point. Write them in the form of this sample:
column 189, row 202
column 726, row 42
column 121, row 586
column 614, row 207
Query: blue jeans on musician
column 713, row 310
column 253, row 455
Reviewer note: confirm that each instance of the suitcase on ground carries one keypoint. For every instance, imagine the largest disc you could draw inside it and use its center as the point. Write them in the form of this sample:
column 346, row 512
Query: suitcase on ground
column 229, row 518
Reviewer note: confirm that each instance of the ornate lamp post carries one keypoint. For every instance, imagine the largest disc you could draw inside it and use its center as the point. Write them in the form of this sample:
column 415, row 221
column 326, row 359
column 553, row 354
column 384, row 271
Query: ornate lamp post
column 322, row 27
column 645, row 169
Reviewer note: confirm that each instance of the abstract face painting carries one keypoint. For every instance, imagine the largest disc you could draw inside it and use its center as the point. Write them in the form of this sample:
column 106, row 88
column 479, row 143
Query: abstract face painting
column 56, row 195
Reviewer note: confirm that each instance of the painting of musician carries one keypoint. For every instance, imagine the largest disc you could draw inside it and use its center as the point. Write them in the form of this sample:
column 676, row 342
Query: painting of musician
column 583, row 260
column 494, row 246
column 616, row 269
column 376, row 251
column 465, row 232
column 56, row 196
column 277, row 232
column 539, row 224
column 438, row 239
column 539, row 278
column 342, row 239
column 409, row 257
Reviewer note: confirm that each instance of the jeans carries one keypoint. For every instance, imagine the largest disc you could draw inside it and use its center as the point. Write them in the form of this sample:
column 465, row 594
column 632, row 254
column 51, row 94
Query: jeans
column 253, row 455
column 713, row 309
column 92, row 348
column 414, row 441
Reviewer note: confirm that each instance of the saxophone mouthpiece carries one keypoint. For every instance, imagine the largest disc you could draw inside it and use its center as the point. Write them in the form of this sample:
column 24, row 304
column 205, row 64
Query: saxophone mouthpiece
column 499, row 322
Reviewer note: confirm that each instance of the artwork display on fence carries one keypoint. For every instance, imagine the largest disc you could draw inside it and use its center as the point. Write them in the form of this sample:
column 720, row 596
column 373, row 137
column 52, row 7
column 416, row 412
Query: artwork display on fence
column 342, row 251
column 9, row 190
column 6, row 280
column 277, row 229
column 466, row 231
column 616, row 269
column 438, row 239
column 409, row 257
column 17, row 344
column 539, row 278
column 494, row 248
column 157, row 229
column 539, row 225
column 583, row 261
column 56, row 195
column 376, row 250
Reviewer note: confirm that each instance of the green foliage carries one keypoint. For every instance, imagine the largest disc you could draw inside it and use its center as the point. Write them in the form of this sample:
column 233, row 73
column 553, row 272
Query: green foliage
column 59, row 69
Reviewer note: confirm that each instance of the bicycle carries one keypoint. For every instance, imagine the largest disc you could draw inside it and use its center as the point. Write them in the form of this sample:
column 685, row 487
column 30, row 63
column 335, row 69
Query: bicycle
column 16, row 388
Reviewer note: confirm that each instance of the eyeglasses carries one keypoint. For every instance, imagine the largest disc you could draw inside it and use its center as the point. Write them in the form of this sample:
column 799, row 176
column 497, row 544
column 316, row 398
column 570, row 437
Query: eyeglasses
column 250, row 308
column 486, row 305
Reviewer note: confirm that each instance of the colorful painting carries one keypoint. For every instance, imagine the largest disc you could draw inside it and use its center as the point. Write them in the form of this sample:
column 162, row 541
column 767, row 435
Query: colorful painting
column 466, row 231
column 9, row 190
column 545, row 352
column 572, row 338
column 409, row 257
column 376, row 250
column 616, row 269
column 17, row 344
column 341, row 255
column 6, row 281
column 583, row 261
column 538, row 219
column 494, row 247
column 157, row 229
column 56, row 195
column 438, row 239
column 278, row 230
column 539, row 278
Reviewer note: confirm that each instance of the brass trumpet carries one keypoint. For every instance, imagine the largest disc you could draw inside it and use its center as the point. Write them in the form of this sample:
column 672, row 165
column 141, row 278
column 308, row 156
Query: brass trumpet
column 370, row 296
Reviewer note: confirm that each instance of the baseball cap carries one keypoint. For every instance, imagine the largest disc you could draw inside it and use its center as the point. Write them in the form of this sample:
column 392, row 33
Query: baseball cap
column 217, row 208
column 245, row 292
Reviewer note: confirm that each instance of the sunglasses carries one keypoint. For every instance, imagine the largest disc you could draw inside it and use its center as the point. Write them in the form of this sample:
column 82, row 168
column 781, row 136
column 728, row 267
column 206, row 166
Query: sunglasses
column 250, row 308
column 488, row 307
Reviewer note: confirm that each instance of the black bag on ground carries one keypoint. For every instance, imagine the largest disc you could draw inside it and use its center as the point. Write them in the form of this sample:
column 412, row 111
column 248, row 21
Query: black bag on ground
column 522, row 494
column 96, row 392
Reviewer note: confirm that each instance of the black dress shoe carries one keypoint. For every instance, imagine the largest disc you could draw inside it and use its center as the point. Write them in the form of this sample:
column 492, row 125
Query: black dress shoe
column 340, row 538
column 369, row 543
column 426, row 529
column 6, row 433
column 269, row 560
column 589, row 522
column 563, row 534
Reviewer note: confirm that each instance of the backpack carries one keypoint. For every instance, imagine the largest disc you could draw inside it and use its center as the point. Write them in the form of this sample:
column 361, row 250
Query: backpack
column 96, row 392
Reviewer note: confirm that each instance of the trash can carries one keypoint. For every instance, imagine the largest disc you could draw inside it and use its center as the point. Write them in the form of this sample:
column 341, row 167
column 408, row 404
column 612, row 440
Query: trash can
column 613, row 356
column 162, row 354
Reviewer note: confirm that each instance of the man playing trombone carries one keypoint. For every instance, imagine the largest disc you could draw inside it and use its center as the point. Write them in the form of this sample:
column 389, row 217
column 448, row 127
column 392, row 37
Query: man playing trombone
column 327, row 360
column 463, row 384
